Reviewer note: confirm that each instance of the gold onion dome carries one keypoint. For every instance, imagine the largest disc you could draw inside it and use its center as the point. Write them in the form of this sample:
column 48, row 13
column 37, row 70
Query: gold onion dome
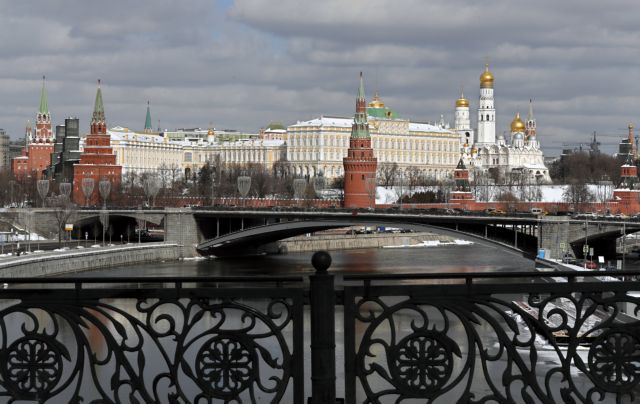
column 517, row 125
column 486, row 78
column 462, row 102
column 376, row 102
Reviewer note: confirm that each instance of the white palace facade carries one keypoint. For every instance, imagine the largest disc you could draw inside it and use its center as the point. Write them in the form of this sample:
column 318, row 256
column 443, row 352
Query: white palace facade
column 151, row 152
column 320, row 144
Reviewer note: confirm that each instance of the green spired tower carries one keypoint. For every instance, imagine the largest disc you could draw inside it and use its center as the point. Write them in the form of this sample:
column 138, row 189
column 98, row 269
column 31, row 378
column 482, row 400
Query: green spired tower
column 147, row 121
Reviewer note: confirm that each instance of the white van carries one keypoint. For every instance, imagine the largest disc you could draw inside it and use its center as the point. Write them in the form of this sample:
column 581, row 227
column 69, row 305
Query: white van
column 536, row 211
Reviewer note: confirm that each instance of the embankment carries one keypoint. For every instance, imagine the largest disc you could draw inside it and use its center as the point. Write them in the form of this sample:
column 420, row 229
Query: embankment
column 349, row 241
column 63, row 262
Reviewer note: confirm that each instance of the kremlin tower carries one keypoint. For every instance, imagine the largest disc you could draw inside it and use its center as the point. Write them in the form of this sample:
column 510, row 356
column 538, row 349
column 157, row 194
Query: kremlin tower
column 486, row 110
column 36, row 155
column 147, row 121
column 360, row 164
column 627, row 193
column 97, row 161
column 462, row 190
column 530, row 126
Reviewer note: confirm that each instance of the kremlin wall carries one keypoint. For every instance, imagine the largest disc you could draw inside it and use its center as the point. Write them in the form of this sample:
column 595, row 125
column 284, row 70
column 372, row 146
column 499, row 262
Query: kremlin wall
column 352, row 148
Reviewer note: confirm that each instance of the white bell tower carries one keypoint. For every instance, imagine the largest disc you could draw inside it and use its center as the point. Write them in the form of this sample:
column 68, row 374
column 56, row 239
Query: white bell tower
column 486, row 110
column 462, row 120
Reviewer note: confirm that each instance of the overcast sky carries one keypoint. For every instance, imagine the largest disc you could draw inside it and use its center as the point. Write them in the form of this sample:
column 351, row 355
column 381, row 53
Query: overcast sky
column 244, row 63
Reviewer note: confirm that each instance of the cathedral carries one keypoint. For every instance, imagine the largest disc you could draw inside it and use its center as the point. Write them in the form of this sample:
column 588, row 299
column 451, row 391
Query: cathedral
column 519, row 156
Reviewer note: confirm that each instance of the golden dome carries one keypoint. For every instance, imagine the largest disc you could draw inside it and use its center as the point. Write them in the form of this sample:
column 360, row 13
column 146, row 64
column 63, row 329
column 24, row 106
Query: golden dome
column 376, row 102
column 486, row 78
column 462, row 102
column 517, row 125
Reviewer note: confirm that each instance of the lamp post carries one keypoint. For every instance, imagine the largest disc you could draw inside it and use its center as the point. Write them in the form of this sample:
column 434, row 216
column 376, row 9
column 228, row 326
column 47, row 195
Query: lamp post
column 244, row 185
column 585, row 250
column 104, row 187
column 87, row 189
column 299, row 186
column 43, row 189
column 104, row 220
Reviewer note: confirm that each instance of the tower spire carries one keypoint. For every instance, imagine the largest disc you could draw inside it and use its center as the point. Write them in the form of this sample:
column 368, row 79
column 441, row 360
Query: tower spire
column 360, row 127
column 147, row 122
column 361, row 89
column 98, row 124
column 44, row 102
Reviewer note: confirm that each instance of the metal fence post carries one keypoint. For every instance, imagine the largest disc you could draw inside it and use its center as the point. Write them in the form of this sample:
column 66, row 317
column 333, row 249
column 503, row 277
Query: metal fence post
column 323, row 340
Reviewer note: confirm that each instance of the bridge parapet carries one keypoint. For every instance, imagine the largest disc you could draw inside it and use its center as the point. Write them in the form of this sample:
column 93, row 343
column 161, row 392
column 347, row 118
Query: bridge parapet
column 562, row 233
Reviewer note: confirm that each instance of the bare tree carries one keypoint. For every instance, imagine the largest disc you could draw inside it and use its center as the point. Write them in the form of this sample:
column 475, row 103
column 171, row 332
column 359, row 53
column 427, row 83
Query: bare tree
column 483, row 186
column 261, row 179
column 446, row 186
column 25, row 218
column 577, row 193
column 414, row 177
column 387, row 172
column 371, row 187
column 64, row 212
column 151, row 186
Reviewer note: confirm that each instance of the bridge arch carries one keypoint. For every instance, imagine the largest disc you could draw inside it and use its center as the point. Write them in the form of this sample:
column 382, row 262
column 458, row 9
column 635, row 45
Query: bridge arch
column 256, row 239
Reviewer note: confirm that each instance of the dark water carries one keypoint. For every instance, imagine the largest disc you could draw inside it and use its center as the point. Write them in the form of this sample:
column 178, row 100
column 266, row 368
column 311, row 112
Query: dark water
column 478, row 257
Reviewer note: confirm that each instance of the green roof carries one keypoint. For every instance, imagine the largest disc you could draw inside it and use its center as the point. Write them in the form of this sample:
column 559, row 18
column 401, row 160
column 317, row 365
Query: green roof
column 385, row 113
column 147, row 121
column 98, row 108
column 44, row 103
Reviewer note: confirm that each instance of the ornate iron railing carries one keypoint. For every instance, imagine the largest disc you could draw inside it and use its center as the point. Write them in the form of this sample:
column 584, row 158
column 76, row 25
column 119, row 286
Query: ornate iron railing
column 192, row 342
column 510, row 341
column 517, row 337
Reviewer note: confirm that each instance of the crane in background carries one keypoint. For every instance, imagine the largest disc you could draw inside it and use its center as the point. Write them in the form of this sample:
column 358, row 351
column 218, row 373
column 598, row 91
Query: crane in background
column 594, row 145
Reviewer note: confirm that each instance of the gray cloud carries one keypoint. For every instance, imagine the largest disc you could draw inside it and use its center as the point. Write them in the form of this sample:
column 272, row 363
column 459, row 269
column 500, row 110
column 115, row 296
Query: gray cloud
column 244, row 63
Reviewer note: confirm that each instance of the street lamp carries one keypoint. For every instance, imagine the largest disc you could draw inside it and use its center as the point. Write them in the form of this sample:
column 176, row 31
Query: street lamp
column 299, row 186
column 318, row 184
column 104, row 187
column 43, row 189
column 244, row 185
column 104, row 220
column 87, row 189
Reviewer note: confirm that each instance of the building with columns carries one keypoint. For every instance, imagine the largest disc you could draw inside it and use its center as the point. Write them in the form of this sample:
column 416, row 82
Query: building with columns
column 141, row 152
column 520, row 155
column 318, row 145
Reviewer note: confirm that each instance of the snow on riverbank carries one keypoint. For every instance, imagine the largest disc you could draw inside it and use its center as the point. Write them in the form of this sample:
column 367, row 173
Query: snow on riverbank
column 431, row 243
column 550, row 193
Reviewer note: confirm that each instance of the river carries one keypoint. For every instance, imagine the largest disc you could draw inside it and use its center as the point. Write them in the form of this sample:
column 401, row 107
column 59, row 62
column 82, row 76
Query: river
column 478, row 257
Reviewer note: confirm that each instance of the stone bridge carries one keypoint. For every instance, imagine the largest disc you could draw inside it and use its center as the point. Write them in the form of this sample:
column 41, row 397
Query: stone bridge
column 192, row 227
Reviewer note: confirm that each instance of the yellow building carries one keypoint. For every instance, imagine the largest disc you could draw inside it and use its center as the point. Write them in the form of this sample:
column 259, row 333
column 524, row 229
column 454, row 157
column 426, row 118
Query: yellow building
column 320, row 144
